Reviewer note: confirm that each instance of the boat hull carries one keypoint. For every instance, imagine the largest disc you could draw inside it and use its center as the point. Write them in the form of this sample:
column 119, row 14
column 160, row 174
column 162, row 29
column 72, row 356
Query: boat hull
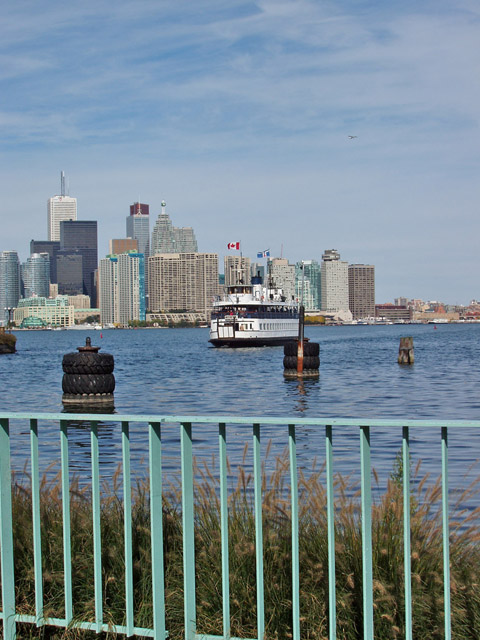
column 266, row 341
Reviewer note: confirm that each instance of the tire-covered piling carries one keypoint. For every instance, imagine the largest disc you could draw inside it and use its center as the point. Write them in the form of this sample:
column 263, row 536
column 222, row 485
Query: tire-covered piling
column 88, row 377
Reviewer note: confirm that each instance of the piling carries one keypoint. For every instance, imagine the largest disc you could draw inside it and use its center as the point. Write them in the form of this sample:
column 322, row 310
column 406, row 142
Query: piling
column 301, row 358
column 88, row 378
column 405, row 351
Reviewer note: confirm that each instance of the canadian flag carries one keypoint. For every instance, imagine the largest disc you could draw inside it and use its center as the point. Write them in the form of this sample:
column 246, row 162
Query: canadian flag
column 234, row 245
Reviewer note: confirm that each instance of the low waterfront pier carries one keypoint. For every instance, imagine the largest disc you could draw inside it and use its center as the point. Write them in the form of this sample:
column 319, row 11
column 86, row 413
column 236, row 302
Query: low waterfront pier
column 228, row 548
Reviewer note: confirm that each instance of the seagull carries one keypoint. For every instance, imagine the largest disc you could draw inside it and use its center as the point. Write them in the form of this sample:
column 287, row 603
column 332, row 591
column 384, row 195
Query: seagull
column 352, row 137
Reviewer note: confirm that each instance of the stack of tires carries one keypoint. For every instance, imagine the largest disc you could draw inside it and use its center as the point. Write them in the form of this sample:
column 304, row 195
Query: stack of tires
column 88, row 376
column 311, row 359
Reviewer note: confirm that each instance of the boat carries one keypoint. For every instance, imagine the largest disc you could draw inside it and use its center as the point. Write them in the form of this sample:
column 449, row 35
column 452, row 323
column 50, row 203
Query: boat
column 253, row 316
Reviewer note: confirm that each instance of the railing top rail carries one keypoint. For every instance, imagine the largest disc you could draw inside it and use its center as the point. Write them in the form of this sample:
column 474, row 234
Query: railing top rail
column 232, row 419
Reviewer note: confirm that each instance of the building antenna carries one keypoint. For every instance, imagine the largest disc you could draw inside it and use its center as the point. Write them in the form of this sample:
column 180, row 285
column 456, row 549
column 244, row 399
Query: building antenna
column 281, row 251
column 62, row 183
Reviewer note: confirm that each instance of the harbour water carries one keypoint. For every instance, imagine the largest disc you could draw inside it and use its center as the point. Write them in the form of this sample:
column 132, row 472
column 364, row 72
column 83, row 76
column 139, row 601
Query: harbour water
column 176, row 372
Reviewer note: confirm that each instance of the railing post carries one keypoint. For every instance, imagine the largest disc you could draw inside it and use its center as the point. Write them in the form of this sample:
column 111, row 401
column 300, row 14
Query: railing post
column 67, row 545
column 37, row 535
column 127, row 531
column 97, row 536
column 222, row 439
column 257, row 480
column 188, row 531
column 156, row 520
column 367, row 571
column 332, row 605
column 406, row 534
column 295, row 542
column 446, row 535
column 6, row 534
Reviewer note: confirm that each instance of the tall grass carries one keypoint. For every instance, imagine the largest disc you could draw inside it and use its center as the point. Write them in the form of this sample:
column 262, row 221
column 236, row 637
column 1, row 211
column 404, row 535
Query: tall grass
column 388, row 563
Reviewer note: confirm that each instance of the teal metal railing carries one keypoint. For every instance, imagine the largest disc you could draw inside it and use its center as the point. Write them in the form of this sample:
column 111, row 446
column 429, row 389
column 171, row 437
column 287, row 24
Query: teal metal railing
column 186, row 424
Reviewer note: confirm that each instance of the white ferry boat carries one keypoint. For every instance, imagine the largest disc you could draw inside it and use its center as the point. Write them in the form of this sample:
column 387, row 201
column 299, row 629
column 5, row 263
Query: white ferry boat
column 253, row 316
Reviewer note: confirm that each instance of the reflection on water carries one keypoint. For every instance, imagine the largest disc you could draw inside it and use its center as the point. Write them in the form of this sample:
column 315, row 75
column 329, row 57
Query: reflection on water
column 300, row 391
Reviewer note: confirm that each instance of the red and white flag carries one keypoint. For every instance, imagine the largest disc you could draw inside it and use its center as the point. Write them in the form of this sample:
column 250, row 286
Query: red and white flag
column 234, row 245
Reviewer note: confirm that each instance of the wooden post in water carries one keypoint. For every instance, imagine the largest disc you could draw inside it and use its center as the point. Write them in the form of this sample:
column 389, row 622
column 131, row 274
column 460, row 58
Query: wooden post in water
column 405, row 351
column 301, row 321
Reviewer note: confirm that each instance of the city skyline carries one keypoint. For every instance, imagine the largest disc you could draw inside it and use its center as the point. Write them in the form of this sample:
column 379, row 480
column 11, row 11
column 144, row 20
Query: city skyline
column 239, row 116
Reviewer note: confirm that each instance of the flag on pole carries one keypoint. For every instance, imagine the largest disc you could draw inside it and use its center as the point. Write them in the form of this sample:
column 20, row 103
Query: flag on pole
column 264, row 254
column 234, row 245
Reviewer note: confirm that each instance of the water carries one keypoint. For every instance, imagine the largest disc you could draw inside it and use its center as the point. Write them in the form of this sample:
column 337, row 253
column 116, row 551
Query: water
column 175, row 371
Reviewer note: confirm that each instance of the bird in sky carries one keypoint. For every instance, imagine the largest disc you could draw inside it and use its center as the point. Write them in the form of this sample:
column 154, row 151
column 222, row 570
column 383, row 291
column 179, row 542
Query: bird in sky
column 352, row 137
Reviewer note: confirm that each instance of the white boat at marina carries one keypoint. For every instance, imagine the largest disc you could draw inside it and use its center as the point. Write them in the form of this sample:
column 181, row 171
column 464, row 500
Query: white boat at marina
column 253, row 316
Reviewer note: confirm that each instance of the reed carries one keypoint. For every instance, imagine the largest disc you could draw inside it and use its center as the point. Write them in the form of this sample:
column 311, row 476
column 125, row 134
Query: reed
column 388, row 562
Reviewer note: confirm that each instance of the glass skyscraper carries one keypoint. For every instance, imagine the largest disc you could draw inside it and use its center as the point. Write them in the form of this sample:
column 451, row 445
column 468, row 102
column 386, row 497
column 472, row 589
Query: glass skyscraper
column 9, row 283
column 36, row 275
column 169, row 239
column 81, row 236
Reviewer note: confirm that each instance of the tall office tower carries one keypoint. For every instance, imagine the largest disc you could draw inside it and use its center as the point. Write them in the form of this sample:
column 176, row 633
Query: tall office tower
column 237, row 270
column 9, row 283
column 183, row 281
column 36, row 275
column 334, row 282
column 60, row 208
column 169, row 239
column 121, row 245
column 281, row 275
column 47, row 246
column 311, row 274
column 81, row 236
column 138, row 228
column 361, row 290
column 69, row 272
column 131, row 287
column 108, row 290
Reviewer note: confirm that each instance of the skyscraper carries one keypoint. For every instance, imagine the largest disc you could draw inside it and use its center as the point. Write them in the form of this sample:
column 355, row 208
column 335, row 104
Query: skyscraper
column 169, row 239
column 81, row 236
column 9, row 283
column 36, row 275
column 60, row 208
column 47, row 246
column 69, row 271
column 334, row 282
column 361, row 290
column 138, row 228
column 312, row 284
column 282, row 276
column 237, row 270
column 122, row 288
column 183, row 281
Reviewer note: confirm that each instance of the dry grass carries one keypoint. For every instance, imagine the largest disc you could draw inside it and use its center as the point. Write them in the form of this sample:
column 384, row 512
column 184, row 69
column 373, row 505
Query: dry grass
column 387, row 536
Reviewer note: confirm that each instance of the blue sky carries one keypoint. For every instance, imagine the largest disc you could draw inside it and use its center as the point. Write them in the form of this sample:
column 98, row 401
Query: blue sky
column 238, row 115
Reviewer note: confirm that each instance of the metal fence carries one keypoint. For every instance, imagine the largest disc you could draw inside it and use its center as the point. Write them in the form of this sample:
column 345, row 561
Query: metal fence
column 153, row 424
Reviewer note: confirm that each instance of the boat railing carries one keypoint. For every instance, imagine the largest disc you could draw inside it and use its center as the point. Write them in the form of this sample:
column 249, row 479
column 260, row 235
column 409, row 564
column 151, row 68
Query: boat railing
column 291, row 431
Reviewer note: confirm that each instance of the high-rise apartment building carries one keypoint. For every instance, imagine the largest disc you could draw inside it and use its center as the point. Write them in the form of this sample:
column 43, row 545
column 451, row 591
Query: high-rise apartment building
column 311, row 275
column 47, row 246
column 169, row 239
column 60, row 208
column 183, row 282
column 237, row 270
column 281, row 275
column 80, row 236
column 36, row 275
column 9, row 283
column 334, row 282
column 361, row 290
column 122, row 288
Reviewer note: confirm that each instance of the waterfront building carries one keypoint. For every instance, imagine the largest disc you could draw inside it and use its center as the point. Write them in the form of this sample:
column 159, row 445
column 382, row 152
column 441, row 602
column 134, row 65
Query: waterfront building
column 122, row 288
column 361, row 290
column 169, row 239
column 334, row 282
column 131, row 287
column 9, row 283
column 183, row 282
column 393, row 313
column 282, row 276
column 36, row 275
column 121, row 245
column 47, row 246
column 108, row 290
column 80, row 237
column 79, row 301
column 38, row 312
column 60, row 208
column 311, row 274
column 237, row 270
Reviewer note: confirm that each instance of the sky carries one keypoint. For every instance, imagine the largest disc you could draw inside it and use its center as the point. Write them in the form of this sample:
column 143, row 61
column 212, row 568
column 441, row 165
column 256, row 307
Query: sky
column 238, row 113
